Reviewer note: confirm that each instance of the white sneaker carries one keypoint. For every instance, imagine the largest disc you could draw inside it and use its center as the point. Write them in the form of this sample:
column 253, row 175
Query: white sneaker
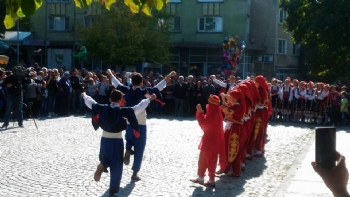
column 49, row 115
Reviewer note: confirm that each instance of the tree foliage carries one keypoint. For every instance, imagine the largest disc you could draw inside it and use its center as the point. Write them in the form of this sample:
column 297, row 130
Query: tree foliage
column 118, row 36
column 24, row 8
column 323, row 26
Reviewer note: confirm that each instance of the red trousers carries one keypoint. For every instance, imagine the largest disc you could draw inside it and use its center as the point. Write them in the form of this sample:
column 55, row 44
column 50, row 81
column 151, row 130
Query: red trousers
column 252, row 136
column 248, row 133
column 207, row 160
column 234, row 148
column 262, row 117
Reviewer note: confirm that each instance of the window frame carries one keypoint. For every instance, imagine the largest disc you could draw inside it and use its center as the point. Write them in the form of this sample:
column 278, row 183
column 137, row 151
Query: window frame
column 284, row 17
column 173, row 19
column 65, row 25
column 205, row 17
column 284, row 49
column 296, row 48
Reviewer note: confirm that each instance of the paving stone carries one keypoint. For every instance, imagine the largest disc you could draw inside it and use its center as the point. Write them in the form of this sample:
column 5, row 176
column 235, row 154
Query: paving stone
column 59, row 159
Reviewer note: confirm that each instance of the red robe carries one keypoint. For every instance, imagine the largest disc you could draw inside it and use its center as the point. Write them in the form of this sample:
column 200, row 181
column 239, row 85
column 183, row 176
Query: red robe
column 212, row 142
column 262, row 117
column 234, row 151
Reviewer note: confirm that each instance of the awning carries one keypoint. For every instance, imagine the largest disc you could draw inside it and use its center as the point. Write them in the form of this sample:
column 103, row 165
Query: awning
column 11, row 36
column 3, row 48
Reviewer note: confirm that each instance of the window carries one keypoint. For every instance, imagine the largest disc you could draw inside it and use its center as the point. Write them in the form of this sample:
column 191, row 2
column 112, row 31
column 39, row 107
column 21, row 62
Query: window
column 282, row 46
column 176, row 24
column 58, row 1
column 88, row 20
column 58, row 23
column 282, row 16
column 171, row 8
column 175, row 1
column 210, row 24
column 296, row 48
column 205, row 1
column 211, row 9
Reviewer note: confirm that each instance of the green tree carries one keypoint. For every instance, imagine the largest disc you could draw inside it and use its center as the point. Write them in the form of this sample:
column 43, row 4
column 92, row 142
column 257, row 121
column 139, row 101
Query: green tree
column 25, row 8
column 118, row 36
column 2, row 17
column 323, row 26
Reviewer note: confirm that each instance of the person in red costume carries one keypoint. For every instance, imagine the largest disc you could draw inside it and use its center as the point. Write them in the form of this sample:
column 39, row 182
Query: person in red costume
column 262, row 115
column 246, row 121
column 255, row 99
column 212, row 143
column 234, row 111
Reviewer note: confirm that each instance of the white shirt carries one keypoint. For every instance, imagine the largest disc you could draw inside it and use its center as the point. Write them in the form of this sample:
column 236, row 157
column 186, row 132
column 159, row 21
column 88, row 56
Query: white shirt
column 310, row 94
column 298, row 93
column 222, row 84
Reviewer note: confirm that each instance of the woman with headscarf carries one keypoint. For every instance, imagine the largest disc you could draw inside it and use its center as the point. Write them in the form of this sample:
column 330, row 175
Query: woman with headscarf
column 263, row 111
column 212, row 142
column 234, row 111
column 64, row 92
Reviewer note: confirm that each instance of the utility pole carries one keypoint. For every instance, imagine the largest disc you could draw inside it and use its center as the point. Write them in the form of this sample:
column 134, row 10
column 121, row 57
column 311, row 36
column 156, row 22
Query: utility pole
column 18, row 41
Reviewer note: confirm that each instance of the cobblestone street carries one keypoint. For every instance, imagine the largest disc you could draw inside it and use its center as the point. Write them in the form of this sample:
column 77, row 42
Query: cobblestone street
column 60, row 158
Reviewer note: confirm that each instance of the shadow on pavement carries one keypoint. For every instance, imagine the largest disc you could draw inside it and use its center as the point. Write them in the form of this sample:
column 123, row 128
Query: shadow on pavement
column 231, row 186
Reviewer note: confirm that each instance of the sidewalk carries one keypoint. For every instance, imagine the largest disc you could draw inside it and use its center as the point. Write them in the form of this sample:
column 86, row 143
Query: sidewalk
column 306, row 182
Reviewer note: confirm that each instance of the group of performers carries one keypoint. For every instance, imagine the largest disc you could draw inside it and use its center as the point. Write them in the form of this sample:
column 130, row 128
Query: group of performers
column 246, row 109
column 125, row 111
column 302, row 102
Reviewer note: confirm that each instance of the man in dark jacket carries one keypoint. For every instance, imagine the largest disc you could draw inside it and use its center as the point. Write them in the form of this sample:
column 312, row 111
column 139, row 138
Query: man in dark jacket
column 77, row 88
column 180, row 91
column 208, row 90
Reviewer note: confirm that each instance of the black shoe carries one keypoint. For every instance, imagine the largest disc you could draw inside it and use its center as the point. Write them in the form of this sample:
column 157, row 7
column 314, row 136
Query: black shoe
column 126, row 159
column 135, row 178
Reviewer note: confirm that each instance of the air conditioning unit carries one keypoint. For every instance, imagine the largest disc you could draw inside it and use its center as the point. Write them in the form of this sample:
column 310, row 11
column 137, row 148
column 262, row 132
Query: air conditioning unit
column 258, row 58
column 268, row 58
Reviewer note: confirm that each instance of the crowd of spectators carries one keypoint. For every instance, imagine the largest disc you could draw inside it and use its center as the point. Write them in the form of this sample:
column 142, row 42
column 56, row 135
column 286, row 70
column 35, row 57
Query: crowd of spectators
column 57, row 92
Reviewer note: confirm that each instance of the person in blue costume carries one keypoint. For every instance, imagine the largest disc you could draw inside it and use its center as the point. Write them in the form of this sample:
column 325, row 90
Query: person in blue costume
column 112, row 118
column 133, row 95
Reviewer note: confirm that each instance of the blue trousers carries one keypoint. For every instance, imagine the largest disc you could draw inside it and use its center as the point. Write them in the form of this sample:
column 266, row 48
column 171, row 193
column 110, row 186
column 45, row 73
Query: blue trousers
column 139, row 145
column 111, row 156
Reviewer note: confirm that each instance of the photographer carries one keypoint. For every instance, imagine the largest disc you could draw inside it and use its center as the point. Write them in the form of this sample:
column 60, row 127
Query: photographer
column 14, row 96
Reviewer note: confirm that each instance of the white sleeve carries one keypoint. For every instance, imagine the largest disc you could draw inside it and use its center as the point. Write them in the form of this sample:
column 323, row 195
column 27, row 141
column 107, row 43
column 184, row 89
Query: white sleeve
column 222, row 84
column 296, row 95
column 89, row 101
column 313, row 95
column 116, row 82
column 141, row 106
column 280, row 93
column 161, row 85
column 291, row 95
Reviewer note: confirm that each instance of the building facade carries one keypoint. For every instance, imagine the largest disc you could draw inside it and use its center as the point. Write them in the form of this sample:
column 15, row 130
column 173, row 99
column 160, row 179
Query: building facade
column 280, row 55
column 54, row 39
column 199, row 28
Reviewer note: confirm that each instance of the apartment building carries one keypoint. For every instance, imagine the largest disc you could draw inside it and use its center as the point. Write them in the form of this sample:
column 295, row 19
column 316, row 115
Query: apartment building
column 199, row 28
column 280, row 55
column 269, row 49
column 54, row 38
